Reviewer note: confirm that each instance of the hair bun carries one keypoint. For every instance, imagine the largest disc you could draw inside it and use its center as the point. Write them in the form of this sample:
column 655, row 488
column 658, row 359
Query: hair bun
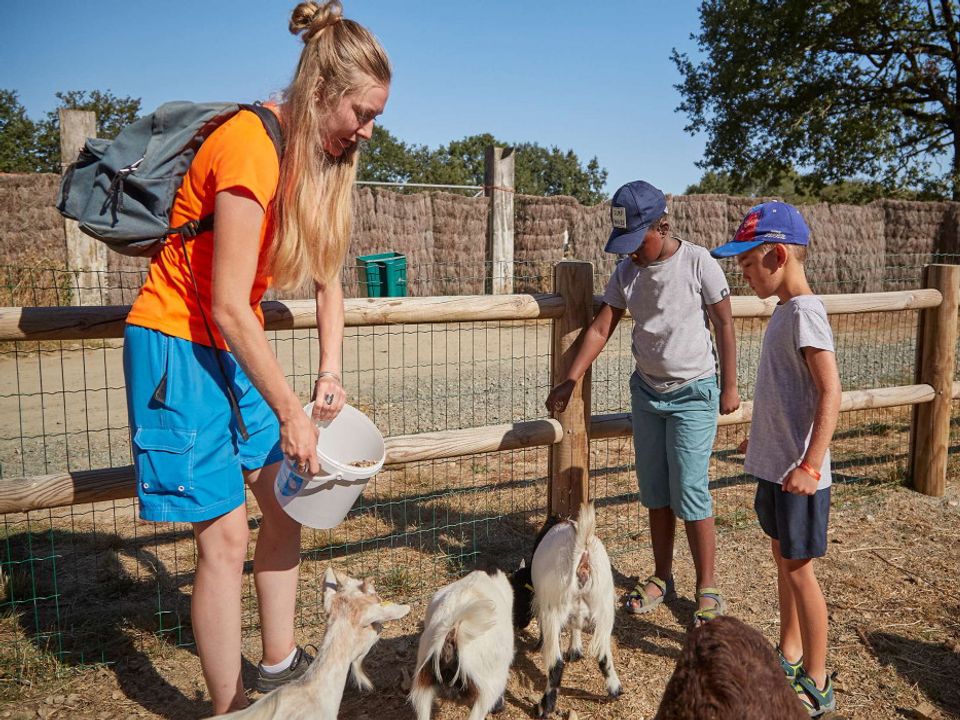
column 311, row 18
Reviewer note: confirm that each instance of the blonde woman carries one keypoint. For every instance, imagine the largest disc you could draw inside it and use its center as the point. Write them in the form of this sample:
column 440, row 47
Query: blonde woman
column 283, row 222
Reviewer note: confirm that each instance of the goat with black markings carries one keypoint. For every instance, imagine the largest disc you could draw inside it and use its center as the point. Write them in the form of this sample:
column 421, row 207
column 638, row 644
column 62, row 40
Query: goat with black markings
column 466, row 647
column 572, row 585
column 355, row 615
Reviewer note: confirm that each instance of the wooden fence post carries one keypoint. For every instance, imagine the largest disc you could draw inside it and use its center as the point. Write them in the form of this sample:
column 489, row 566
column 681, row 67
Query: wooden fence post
column 936, row 360
column 498, row 182
column 569, row 468
column 85, row 256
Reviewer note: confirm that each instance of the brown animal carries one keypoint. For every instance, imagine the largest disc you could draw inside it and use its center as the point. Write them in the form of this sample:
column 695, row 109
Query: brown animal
column 728, row 670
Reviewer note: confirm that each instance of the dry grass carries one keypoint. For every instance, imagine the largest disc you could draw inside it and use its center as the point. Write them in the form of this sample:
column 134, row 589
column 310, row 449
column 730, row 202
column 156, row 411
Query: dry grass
column 889, row 575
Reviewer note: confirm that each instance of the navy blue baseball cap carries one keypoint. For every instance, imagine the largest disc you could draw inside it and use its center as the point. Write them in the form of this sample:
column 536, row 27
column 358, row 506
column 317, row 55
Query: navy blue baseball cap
column 634, row 208
column 769, row 222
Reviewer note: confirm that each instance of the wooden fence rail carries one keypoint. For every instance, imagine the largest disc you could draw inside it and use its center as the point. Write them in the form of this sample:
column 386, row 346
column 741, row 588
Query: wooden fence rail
column 569, row 433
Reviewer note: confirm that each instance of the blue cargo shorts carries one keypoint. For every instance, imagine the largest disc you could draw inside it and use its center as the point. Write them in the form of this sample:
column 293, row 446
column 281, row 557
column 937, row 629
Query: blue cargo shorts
column 673, row 436
column 188, row 454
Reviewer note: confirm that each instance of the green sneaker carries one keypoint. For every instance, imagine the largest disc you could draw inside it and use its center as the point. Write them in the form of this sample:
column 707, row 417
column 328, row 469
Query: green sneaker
column 816, row 701
column 791, row 670
column 267, row 681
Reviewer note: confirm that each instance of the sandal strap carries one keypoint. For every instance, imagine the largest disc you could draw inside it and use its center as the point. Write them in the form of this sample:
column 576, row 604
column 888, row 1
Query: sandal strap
column 809, row 693
column 654, row 580
column 640, row 589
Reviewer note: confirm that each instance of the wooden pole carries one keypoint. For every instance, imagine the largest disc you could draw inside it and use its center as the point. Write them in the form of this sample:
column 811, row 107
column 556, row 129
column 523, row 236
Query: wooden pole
column 85, row 256
column 24, row 494
column 499, row 187
column 936, row 360
column 107, row 321
column 569, row 467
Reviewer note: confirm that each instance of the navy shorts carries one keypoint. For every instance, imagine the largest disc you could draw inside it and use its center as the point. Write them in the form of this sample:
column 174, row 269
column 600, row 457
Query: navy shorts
column 798, row 522
column 188, row 454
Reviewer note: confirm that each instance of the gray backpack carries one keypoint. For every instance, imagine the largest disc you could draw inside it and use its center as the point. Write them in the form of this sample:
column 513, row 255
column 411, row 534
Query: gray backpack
column 120, row 191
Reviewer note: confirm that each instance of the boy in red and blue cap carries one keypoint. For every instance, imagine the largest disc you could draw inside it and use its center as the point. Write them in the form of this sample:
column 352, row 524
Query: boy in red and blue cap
column 795, row 409
column 672, row 289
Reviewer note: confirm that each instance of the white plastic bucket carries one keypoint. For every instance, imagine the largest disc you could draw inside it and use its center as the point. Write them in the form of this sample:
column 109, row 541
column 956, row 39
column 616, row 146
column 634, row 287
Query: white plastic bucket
column 324, row 500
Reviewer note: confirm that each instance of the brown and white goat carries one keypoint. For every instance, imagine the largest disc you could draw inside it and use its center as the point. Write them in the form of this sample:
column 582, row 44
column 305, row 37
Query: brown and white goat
column 466, row 647
column 728, row 670
column 572, row 586
column 355, row 615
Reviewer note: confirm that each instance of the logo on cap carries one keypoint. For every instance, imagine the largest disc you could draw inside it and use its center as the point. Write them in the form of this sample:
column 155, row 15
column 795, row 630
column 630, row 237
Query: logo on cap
column 748, row 227
column 618, row 216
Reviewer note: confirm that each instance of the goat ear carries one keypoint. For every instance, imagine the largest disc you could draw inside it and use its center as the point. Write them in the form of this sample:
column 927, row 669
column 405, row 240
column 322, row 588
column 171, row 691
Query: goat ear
column 367, row 587
column 331, row 585
column 385, row 611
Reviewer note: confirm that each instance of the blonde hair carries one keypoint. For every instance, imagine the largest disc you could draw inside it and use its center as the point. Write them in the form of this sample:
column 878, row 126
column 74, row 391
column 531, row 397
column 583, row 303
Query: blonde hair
column 313, row 203
column 799, row 252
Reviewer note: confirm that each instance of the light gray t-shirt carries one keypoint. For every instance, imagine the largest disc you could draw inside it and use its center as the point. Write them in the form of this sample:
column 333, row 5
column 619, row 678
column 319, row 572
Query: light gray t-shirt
column 668, row 303
column 785, row 399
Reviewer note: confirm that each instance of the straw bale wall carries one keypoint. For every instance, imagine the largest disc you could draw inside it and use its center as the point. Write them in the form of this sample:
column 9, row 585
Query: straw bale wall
column 459, row 243
column 443, row 236
column 542, row 233
column 31, row 229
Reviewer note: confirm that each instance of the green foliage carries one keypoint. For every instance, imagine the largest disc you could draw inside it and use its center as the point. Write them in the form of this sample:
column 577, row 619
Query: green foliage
column 16, row 135
column 113, row 113
column 28, row 146
column 538, row 170
column 844, row 88
column 801, row 189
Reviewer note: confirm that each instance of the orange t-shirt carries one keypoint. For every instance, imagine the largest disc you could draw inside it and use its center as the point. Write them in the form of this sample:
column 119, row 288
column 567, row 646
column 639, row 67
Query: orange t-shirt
column 238, row 154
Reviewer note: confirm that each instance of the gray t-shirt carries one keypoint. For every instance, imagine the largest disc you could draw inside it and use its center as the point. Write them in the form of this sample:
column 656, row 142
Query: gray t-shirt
column 668, row 303
column 785, row 399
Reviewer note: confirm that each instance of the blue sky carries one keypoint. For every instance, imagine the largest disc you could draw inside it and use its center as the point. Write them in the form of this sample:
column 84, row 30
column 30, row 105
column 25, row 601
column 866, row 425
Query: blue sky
column 592, row 77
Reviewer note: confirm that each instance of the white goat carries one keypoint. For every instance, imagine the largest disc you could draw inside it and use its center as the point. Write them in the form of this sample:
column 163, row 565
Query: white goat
column 355, row 614
column 466, row 647
column 573, row 585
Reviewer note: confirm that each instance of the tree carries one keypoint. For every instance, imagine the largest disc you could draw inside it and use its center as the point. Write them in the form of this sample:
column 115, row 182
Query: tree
column 16, row 135
column 845, row 88
column 799, row 189
column 538, row 170
column 113, row 114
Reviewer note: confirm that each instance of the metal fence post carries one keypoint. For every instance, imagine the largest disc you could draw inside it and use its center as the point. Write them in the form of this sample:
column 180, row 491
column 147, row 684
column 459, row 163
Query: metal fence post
column 498, row 182
column 569, row 466
column 936, row 362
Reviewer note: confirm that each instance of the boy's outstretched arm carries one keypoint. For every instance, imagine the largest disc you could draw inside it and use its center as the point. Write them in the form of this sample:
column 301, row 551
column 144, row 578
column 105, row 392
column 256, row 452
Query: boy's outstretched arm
column 722, row 318
column 823, row 369
column 589, row 345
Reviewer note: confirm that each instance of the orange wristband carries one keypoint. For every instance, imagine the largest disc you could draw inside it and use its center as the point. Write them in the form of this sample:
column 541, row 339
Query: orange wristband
column 809, row 470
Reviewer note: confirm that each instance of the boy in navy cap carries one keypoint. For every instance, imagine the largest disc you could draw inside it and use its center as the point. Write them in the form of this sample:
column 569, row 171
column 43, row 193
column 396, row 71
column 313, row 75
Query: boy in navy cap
column 672, row 288
column 795, row 409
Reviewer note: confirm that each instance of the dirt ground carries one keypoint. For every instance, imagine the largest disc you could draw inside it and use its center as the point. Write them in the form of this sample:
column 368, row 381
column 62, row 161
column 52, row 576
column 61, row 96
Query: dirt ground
column 890, row 580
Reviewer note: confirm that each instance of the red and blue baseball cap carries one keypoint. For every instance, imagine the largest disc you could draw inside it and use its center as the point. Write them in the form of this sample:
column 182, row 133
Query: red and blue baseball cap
column 634, row 208
column 769, row 222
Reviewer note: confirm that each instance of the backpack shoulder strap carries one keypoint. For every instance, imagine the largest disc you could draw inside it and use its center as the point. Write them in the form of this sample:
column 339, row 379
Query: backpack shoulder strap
column 270, row 123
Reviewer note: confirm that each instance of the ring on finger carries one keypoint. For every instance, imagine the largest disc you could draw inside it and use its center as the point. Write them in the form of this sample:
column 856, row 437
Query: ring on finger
column 328, row 398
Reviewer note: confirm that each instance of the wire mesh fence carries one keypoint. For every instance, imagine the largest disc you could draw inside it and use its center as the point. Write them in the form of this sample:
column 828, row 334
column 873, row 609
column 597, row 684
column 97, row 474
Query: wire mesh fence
column 92, row 583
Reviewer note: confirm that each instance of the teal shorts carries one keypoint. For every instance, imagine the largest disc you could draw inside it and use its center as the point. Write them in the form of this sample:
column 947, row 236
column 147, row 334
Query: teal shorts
column 673, row 436
column 188, row 455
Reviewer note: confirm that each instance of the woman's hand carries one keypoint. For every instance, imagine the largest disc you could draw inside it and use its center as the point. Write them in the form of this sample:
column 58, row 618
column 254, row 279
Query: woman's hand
column 328, row 398
column 559, row 397
column 298, row 441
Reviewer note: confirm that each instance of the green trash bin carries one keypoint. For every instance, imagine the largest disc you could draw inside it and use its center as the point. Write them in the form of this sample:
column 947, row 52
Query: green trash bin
column 383, row 274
